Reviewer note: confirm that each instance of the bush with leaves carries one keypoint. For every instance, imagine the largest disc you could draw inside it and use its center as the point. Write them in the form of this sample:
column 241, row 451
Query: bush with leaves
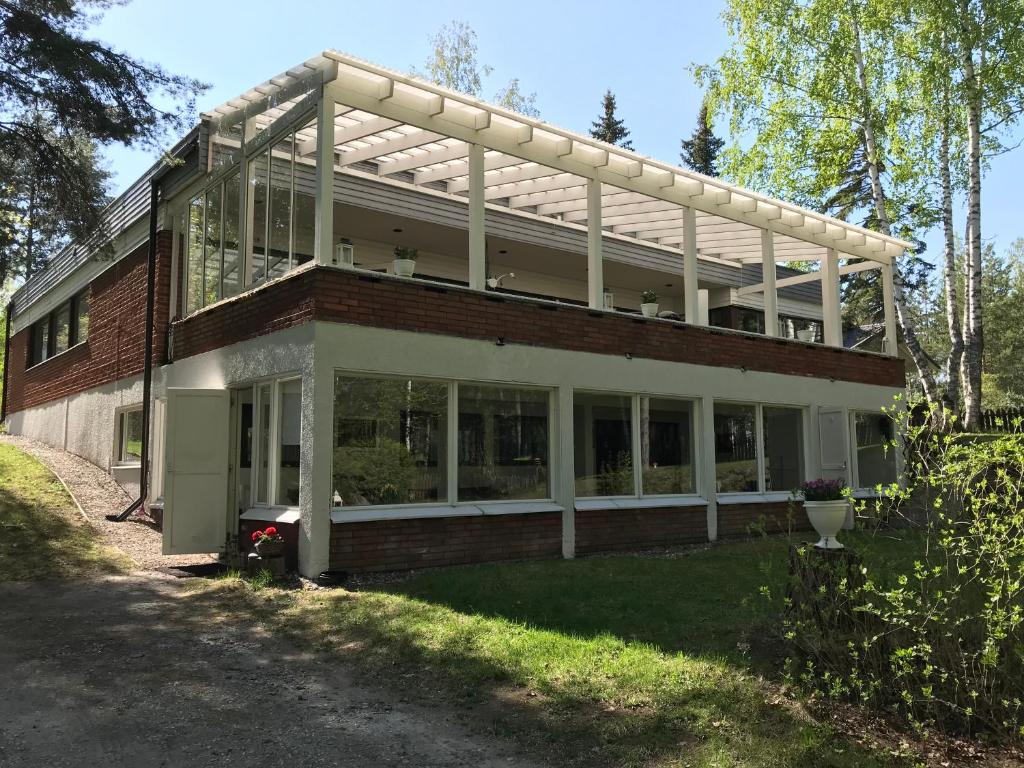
column 941, row 642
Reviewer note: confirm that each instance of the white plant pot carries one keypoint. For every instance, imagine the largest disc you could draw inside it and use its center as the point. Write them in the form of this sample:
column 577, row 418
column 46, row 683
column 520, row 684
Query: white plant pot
column 649, row 310
column 404, row 267
column 827, row 517
column 807, row 334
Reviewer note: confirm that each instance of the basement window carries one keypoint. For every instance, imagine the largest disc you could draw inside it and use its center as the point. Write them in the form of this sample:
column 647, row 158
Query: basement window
column 129, row 436
column 758, row 449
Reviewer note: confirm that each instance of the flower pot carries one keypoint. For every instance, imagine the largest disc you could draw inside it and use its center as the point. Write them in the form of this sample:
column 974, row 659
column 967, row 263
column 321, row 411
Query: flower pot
column 827, row 517
column 404, row 267
column 649, row 310
column 270, row 548
column 806, row 334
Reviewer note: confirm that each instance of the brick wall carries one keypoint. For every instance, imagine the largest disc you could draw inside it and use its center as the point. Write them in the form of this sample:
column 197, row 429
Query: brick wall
column 747, row 519
column 319, row 293
column 393, row 545
column 115, row 348
column 608, row 530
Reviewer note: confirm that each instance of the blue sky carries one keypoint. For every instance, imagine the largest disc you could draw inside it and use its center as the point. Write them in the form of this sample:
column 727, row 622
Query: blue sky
column 566, row 52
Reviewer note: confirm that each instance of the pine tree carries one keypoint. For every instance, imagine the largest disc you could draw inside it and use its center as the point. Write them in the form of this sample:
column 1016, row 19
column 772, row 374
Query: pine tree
column 700, row 151
column 610, row 129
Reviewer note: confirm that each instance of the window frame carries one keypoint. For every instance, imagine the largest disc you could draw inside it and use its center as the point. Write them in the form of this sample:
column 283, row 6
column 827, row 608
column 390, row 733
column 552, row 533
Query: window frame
column 50, row 320
column 273, row 446
column 762, row 492
column 855, row 481
column 452, row 502
column 636, row 446
column 120, row 423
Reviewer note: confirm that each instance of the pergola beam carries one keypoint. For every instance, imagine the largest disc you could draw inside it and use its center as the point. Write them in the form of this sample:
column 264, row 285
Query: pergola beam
column 421, row 160
column 809, row 277
column 389, row 146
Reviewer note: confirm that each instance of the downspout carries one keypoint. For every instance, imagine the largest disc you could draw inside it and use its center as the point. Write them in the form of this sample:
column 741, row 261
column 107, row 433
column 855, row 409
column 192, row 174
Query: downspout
column 7, row 358
column 147, row 372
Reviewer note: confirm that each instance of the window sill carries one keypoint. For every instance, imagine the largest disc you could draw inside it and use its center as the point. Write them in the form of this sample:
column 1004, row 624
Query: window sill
column 57, row 356
column 126, row 465
column 271, row 514
column 754, row 498
column 649, row 502
column 375, row 514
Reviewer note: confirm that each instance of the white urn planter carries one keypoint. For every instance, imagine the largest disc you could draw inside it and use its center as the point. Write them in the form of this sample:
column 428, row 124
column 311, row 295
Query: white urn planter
column 404, row 267
column 827, row 517
column 649, row 310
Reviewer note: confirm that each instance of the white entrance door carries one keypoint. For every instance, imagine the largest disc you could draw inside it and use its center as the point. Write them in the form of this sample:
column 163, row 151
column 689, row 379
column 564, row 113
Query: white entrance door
column 195, row 470
column 833, row 442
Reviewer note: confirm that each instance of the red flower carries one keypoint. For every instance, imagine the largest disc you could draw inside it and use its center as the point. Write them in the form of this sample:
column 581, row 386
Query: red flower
column 256, row 535
column 271, row 531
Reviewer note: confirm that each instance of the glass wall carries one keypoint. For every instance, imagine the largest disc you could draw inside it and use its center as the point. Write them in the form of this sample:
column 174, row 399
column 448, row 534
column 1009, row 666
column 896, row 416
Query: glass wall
column 603, row 439
column 783, row 448
column 212, row 256
column 503, row 443
column 736, row 448
column 876, row 455
column 390, row 441
column 666, row 447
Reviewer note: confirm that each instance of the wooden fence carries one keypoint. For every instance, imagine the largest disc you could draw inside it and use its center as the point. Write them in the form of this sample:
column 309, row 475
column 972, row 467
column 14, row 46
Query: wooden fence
column 1003, row 420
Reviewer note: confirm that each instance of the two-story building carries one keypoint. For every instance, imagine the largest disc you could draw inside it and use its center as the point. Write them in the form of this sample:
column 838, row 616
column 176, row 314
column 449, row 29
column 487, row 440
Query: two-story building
column 407, row 327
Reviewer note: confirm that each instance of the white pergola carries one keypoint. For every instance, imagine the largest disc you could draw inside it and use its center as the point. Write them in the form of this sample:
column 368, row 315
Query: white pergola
column 419, row 134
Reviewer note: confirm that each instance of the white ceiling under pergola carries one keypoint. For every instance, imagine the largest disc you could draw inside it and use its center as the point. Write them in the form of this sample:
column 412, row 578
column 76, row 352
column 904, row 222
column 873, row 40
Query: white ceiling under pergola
column 410, row 132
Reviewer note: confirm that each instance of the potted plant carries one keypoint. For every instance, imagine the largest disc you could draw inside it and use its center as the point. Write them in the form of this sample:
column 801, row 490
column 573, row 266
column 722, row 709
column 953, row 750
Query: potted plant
column 268, row 542
column 649, row 304
column 826, row 505
column 404, row 263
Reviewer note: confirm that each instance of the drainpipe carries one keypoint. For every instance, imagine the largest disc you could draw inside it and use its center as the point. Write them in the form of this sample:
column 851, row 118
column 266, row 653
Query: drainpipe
column 7, row 359
column 147, row 373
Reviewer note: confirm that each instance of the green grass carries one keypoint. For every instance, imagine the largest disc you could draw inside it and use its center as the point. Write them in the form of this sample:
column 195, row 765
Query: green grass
column 611, row 661
column 42, row 534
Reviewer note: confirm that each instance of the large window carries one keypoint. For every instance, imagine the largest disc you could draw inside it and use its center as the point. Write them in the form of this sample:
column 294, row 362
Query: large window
column 603, row 440
column 758, row 449
column 503, row 443
column 213, row 269
column 876, row 454
column 609, row 463
column 390, row 441
column 60, row 330
column 283, row 207
column 129, row 436
column 275, row 449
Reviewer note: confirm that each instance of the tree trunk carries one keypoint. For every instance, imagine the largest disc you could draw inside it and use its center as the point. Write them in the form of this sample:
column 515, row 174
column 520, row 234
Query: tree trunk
column 972, row 332
column 951, row 399
column 921, row 362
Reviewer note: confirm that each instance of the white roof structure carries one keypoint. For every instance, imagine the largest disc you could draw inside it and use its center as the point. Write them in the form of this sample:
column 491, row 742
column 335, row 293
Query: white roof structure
column 417, row 133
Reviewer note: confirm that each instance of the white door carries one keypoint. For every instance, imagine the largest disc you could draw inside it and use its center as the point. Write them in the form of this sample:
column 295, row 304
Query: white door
column 833, row 442
column 195, row 470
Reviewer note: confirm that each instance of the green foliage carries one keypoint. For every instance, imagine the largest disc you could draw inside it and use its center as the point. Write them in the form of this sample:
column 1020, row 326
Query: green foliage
column 700, row 151
column 616, row 478
column 649, row 297
column 403, row 252
column 381, row 472
column 940, row 642
column 609, row 128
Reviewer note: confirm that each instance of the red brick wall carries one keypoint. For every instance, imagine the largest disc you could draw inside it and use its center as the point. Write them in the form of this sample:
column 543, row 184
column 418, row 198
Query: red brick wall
column 116, row 345
column 389, row 302
column 394, row 545
column 747, row 519
column 607, row 530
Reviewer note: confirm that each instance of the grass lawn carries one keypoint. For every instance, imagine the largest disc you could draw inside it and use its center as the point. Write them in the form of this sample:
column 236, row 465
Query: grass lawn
column 602, row 661
column 42, row 534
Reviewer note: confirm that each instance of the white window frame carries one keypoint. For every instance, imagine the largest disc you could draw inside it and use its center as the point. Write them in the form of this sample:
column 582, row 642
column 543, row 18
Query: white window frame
column 273, row 445
column 638, row 495
column 119, row 426
column 451, row 505
column 762, row 493
column 855, row 483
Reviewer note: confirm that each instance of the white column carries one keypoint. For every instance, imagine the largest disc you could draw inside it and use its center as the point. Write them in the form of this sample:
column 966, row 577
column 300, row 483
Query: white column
column 324, row 245
column 595, row 258
column 565, row 480
column 889, row 302
column 477, row 233
column 708, row 476
column 771, row 295
column 830, row 308
column 692, row 307
column 315, row 464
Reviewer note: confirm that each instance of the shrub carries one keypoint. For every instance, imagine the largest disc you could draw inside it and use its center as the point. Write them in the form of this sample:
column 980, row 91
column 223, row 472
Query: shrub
column 940, row 642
